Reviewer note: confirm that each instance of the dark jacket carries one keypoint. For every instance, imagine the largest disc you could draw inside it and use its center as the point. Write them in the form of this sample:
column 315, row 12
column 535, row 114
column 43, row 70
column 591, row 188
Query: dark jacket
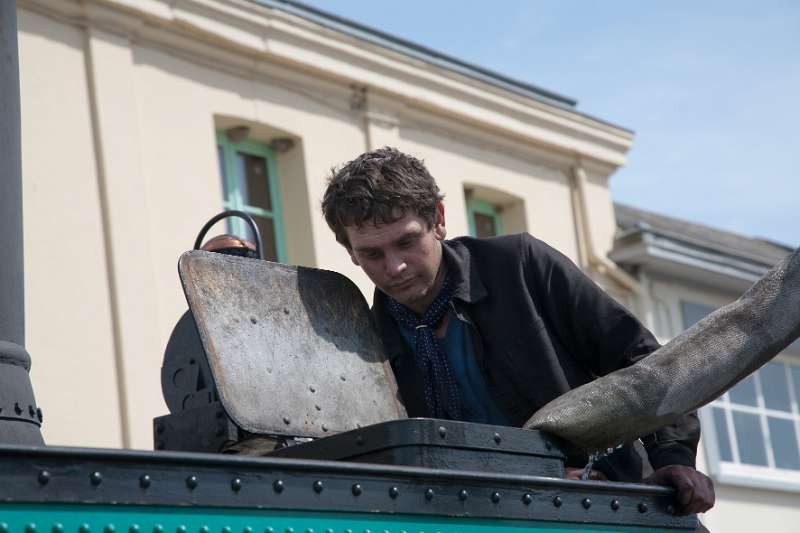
column 540, row 327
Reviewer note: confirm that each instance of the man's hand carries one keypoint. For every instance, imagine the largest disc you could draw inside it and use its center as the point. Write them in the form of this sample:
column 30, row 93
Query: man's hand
column 576, row 473
column 695, row 491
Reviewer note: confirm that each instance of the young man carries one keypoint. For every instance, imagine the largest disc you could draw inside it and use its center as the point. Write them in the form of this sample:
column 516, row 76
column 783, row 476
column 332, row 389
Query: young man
column 490, row 330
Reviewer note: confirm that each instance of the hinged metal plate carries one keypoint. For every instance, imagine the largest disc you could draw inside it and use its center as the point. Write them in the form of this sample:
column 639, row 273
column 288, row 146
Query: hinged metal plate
column 292, row 349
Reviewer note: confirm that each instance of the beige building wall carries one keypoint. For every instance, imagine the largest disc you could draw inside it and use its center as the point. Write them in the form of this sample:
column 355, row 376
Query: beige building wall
column 121, row 103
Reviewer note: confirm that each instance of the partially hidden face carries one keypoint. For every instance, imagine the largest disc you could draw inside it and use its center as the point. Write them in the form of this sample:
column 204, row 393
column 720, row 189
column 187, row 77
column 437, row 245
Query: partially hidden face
column 402, row 258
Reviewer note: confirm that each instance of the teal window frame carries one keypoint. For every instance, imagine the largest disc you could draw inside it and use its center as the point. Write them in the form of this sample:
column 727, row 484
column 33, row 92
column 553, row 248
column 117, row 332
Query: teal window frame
column 233, row 196
column 474, row 206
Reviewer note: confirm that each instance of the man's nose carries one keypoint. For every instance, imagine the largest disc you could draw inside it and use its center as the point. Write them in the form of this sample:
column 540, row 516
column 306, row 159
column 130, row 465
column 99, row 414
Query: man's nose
column 395, row 264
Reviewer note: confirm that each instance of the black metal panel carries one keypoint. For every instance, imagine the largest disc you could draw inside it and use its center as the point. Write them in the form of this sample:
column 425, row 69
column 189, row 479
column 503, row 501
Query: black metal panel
column 60, row 475
column 202, row 429
column 440, row 444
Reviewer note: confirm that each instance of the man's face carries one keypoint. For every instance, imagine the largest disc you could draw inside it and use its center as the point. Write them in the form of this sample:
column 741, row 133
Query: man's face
column 402, row 258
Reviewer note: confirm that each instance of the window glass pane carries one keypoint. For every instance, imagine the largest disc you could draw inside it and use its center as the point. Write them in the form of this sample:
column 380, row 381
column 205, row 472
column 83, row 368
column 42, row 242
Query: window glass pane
column 484, row 225
column 723, row 439
column 774, row 387
column 744, row 393
column 221, row 160
column 749, row 439
column 253, row 181
column 267, row 229
column 692, row 312
column 795, row 373
column 784, row 443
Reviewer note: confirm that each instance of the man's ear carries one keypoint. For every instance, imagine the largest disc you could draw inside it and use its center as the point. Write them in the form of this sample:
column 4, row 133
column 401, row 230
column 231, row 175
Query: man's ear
column 439, row 230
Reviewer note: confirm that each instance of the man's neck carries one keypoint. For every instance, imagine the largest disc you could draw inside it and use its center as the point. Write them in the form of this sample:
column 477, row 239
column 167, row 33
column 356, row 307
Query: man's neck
column 422, row 306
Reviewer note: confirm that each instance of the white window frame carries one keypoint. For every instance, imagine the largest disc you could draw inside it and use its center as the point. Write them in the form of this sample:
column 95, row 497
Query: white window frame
column 667, row 296
column 734, row 473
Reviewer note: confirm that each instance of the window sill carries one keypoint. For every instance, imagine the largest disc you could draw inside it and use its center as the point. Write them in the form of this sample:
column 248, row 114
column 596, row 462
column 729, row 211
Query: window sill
column 757, row 477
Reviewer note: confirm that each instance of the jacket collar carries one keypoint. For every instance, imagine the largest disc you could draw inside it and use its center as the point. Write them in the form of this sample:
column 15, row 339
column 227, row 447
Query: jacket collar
column 468, row 285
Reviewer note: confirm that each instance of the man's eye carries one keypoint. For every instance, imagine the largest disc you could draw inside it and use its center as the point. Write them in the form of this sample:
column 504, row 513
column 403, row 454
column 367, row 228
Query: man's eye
column 372, row 255
column 405, row 243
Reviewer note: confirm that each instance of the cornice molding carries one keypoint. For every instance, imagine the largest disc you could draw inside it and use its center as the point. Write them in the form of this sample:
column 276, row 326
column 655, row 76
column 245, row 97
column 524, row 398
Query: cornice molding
column 245, row 35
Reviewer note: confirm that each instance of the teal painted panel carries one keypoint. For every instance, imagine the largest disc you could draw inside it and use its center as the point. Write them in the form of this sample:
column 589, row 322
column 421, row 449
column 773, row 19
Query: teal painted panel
column 61, row 518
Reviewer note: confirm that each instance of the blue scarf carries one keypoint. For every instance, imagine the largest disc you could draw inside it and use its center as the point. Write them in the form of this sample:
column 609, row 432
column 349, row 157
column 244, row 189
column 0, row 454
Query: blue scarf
column 441, row 390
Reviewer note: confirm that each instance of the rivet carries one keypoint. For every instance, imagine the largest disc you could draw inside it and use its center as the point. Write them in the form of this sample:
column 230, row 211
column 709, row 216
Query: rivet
column 191, row 482
column 253, row 320
column 360, row 440
column 134, row 528
column 269, row 530
column 144, row 481
column 3, row 527
column 317, row 407
column 31, row 411
column 39, row 414
column 324, row 427
column 286, row 420
column 587, row 503
column 429, row 494
column 17, row 408
column 548, row 445
column 442, row 431
column 289, row 530
column 226, row 529
column 497, row 438
column 30, row 528
column 109, row 528
column 670, row 509
column 159, row 445
column 285, row 310
column 58, row 528
column 204, row 529
column 84, row 528
column 615, row 505
column 180, row 529
column 247, row 529
column 557, row 501
column 44, row 477
column 159, row 428
column 463, row 495
column 356, row 489
column 310, row 530
column 96, row 478
column 318, row 486
column 311, row 388
column 394, row 492
column 642, row 507
column 277, row 486
column 343, row 378
column 495, row 497
column 236, row 484
column 158, row 528
column 527, row 499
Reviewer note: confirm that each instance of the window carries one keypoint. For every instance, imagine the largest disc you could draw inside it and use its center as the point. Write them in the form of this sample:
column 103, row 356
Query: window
column 484, row 218
column 753, row 430
column 249, row 184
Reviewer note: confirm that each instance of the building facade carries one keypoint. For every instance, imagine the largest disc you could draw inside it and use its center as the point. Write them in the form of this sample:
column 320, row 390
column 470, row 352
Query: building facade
column 143, row 119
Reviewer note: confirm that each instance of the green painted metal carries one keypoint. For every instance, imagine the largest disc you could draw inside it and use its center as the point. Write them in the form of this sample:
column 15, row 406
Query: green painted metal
column 234, row 195
column 485, row 208
column 65, row 518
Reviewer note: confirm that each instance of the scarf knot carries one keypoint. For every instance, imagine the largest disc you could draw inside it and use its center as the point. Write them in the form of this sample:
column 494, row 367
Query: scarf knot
column 442, row 396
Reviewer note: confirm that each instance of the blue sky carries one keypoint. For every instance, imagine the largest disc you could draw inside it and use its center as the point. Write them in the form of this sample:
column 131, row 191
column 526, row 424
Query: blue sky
column 712, row 89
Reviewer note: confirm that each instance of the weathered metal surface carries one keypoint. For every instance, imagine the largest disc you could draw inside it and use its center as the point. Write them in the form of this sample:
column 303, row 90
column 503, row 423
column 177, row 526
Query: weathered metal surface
column 220, row 485
column 444, row 444
column 292, row 350
column 691, row 370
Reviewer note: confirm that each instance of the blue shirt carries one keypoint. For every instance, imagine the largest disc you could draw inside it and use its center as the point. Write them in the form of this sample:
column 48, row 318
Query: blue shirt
column 477, row 405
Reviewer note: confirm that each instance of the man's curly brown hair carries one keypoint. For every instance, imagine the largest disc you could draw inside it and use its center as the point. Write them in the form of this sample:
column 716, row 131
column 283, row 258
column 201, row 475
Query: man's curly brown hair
column 379, row 187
